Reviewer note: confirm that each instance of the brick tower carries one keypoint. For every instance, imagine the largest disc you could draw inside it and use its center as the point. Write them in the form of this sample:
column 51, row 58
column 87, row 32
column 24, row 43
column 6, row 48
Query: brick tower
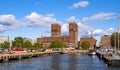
column 73, row 33
column 55, row 30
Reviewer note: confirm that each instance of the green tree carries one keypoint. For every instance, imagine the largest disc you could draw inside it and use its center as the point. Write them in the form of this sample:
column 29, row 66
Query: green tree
column 18, row 42
column 57, row 44
column 27, row 44
column 114, row 37
column 78, row 45
column 64, row 45
column 37, row 46
column 5, row 45
column 85, row 45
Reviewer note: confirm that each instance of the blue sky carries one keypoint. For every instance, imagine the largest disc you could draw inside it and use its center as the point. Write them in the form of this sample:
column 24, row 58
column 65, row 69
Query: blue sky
column 32, row 18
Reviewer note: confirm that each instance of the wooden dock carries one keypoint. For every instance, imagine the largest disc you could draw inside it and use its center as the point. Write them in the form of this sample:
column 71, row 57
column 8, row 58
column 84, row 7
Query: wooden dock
column 113, row 60
column 18, row 56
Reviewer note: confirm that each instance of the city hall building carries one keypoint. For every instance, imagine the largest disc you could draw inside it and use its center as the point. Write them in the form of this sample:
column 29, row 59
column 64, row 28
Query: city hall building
column 71, row 40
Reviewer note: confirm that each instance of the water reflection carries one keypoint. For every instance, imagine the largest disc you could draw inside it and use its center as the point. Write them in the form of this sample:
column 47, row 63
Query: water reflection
column 58, row 62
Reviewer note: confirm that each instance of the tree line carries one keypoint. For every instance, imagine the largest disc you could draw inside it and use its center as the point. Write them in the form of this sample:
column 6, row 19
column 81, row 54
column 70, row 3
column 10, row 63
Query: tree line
column 19, row 42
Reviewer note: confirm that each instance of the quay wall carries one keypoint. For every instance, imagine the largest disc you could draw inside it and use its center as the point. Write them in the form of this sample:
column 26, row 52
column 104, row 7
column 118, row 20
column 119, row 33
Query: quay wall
column 7, row 57
column 18, row 56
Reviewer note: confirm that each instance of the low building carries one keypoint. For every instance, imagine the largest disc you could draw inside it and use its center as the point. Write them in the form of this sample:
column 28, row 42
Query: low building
column 91, row 40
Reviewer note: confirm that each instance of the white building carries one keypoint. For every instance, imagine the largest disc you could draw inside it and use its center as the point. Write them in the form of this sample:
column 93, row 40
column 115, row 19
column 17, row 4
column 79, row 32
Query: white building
column 5, row 38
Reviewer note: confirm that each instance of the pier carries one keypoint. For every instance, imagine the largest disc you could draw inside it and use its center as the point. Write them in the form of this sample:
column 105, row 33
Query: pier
column 18, row 56
column 111, row 60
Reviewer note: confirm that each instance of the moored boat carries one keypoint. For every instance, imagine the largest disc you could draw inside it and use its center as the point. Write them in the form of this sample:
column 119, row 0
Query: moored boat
column 92, row 52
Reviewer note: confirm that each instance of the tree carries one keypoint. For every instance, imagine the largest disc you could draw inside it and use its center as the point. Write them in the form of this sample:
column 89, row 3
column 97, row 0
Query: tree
column 64, row 45
column 114, row 37
column 5, row 45
column 18, row 42
column 37, row 46
column 57, row 44
column 78, row 45
column 27, row 44
column 85, row 45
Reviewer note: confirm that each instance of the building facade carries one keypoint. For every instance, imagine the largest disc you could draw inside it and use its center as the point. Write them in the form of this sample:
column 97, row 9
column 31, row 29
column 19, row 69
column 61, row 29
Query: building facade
column 56, row 30
column 71, row 40
column 91, row 40
column 106, row 41
column 5, row 38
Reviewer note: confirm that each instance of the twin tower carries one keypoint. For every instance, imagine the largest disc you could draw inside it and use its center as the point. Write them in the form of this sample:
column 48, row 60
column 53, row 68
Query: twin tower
column 71, row 40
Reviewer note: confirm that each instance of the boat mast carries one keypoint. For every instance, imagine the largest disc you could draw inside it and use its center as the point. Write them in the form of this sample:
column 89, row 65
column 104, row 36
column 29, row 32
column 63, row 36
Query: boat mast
column 115, row 41
column 118, row 30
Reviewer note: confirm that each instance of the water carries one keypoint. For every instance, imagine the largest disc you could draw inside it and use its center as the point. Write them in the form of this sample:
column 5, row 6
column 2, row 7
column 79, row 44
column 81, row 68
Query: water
column 58, row 62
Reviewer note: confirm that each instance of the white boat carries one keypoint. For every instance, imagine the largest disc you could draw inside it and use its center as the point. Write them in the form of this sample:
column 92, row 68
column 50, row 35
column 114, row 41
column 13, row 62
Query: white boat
column 91, row 52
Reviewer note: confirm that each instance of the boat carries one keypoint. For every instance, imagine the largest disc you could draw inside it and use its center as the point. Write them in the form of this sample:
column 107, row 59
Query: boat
column 91, row 52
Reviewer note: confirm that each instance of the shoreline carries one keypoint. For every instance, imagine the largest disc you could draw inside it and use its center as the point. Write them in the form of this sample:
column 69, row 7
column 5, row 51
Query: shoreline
column 18, row 56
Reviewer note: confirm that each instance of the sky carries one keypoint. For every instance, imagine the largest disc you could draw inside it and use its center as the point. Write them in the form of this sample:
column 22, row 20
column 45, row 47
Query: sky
column 33, row 18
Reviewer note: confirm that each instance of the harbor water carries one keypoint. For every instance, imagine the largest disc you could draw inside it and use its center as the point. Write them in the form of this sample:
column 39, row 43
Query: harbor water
column 58, row 62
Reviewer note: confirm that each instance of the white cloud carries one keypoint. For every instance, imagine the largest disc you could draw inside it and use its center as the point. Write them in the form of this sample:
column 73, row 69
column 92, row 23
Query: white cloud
column 71, row 19
column 84, row 30
column 2, row 28
column 98, row 32
column 80, row 4
column 50, row 15
column 99, row 17
column 101, row 32
column 9, row 21
column 65, row 29
column 35, row 19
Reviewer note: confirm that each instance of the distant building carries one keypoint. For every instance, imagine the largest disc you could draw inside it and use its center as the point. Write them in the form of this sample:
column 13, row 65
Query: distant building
column 91, row 40
column 71, row 40
column 5, row 38
column 106, row 41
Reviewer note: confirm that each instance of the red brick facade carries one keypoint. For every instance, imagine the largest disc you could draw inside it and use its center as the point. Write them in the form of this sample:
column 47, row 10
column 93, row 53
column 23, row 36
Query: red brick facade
column 56, row 30
column 105, row 41
column 71, row 40
column 91, row 40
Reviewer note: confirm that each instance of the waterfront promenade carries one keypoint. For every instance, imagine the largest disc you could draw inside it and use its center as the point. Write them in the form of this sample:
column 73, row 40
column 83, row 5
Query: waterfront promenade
column 14, row 56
